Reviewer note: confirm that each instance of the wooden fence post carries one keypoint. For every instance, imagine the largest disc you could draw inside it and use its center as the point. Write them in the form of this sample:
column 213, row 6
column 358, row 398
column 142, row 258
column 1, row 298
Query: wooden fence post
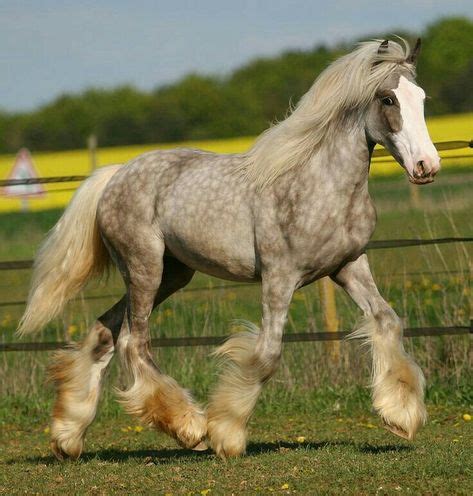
column 92, row 146
column 414, row 195
column 329, row 309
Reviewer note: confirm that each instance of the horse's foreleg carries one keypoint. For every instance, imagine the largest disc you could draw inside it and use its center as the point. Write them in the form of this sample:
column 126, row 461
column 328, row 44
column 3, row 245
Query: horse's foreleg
column 249, row 358
column 397, row 381
column 154, row 397
column 77, row 373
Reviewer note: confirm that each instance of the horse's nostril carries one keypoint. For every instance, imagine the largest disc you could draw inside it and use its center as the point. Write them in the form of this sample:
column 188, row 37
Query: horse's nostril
column 419, row 170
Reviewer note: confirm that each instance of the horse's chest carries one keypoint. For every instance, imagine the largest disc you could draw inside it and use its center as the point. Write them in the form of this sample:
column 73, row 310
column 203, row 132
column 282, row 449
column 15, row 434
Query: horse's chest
column 325, row 241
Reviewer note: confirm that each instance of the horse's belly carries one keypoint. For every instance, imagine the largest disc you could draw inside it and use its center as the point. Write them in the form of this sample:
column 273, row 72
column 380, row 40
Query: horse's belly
column 326, row 263
column 224, row 253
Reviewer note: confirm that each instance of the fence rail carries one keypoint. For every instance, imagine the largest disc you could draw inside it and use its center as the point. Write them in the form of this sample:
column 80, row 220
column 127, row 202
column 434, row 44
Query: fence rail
column 104, row 296
column 41, row 180
column 439, row 145
column 372, row 245
column 300, row 337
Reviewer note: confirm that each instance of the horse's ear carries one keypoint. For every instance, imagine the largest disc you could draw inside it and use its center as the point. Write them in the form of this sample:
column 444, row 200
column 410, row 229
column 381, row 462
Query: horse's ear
column 412, row 59
column 383, row 47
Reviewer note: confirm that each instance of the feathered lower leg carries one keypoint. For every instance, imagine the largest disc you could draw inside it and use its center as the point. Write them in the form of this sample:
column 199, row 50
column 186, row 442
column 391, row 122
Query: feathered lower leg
column 235, row 396
column 77, row 374
column 397, row 381
column 158, row 400
column 249, row 359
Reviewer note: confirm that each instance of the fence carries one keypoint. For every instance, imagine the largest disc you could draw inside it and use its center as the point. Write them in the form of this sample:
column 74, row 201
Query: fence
column 326, row 290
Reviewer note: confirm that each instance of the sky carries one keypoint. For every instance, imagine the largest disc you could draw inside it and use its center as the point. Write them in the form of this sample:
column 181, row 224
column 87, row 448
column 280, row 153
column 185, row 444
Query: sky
column 49, row 47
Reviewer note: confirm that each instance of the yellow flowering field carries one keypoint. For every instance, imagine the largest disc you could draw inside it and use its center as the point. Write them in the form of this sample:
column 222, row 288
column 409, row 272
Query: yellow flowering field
column 76, row 162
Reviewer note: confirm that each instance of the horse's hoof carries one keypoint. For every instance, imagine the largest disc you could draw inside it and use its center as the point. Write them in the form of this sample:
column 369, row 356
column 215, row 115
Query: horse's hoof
column 202, row 446
column 192, row 430
column 227, row 439
column 73, row 451
column 398, row 431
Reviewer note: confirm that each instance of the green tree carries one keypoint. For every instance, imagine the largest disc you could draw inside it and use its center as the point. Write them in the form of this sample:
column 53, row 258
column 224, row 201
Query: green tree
column 447, row 53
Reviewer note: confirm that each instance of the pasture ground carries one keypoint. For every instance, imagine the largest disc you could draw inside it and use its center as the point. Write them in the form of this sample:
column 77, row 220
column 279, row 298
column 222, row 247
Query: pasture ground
column 290, row 452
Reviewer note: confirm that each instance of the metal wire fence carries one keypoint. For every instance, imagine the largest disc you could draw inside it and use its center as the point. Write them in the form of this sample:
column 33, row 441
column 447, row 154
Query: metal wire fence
column 217, row 340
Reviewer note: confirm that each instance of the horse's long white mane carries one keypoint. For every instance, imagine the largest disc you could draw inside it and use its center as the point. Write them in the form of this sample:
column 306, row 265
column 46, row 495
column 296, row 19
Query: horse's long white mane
column 347, row 84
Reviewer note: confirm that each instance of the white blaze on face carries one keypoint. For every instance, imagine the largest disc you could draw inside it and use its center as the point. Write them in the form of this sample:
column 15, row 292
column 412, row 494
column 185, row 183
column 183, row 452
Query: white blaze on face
column 413, row 141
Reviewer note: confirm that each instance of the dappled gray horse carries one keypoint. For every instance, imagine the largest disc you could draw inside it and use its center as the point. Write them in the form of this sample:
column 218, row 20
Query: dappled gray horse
column 291, row 210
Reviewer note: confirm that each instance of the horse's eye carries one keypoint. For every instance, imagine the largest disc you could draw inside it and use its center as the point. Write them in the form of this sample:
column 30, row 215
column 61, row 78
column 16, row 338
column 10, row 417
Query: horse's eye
column 387, row 100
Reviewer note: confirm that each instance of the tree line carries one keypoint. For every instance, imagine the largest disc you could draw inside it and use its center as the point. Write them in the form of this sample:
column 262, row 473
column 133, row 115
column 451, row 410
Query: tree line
column 242, row 103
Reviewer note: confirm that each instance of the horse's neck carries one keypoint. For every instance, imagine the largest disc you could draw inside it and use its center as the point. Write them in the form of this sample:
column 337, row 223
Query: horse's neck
column 343, row 161
column 341, row 164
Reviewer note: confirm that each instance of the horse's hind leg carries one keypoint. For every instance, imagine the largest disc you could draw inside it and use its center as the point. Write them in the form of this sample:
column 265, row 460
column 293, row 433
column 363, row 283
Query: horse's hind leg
column 77, row 373
column 153, row 396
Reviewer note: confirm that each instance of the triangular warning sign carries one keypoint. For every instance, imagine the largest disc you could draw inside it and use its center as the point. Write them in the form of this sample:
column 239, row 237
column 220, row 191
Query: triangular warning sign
column 23, row 168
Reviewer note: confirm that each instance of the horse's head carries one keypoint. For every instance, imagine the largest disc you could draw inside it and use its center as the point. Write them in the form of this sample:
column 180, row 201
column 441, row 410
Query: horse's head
column 395, row 119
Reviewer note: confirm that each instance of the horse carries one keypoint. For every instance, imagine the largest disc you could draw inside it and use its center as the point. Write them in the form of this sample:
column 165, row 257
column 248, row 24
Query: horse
column 292, row 209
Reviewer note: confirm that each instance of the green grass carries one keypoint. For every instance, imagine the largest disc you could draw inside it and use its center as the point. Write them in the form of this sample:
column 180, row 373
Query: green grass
column 290, row 452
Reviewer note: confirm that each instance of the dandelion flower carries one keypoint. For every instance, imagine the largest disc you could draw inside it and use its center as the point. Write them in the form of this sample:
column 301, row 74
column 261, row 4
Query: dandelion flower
column 300, row 439
column 230, row 296
column 71, row 330
column 466, row 417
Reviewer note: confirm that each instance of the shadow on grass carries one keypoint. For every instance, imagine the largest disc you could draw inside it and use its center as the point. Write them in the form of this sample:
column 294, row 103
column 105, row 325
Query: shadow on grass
column 388, row 448
column 261, row 448
column 255, row 449
column 170, row 455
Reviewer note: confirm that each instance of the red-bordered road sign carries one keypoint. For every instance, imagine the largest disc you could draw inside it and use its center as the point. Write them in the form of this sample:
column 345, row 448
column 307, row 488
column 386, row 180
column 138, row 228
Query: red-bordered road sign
column 24, row 168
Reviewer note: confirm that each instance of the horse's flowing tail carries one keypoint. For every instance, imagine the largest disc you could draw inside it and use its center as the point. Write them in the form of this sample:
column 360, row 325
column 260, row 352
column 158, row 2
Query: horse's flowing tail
column 72, row 253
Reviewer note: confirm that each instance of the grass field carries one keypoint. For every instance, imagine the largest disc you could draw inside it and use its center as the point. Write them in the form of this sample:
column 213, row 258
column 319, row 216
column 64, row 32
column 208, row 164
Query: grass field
column 291, row 452
column 313, row 432
column 444, row 128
